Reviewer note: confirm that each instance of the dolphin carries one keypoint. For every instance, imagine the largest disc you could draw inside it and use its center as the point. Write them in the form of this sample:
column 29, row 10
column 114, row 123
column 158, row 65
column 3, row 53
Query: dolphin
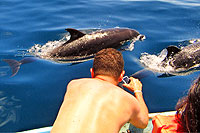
column 81, row 47
column 174, row 60
column 185, row 58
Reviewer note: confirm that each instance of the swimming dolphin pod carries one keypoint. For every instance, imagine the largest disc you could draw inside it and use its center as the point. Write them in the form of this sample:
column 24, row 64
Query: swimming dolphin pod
column 81, row 47
column 175, row 61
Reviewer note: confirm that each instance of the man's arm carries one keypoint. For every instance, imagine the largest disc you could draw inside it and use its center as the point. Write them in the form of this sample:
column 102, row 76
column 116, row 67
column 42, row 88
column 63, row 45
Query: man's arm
column 140, row 117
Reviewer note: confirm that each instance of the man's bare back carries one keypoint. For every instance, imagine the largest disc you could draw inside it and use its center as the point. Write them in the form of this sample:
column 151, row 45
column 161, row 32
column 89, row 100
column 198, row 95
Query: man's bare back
column 95, row 104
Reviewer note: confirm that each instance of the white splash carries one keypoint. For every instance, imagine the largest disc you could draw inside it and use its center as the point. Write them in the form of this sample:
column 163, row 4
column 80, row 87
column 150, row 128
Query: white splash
column 97, row 35
column 131, row 45
column 43, row 51
column 155, row 62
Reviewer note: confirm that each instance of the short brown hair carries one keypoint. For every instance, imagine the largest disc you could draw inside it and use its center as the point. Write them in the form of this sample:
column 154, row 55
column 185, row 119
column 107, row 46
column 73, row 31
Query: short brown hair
column 108, row 62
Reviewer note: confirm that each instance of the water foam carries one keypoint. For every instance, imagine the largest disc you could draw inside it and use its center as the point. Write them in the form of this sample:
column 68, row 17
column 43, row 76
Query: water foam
column 154, row 62
column 43, row 51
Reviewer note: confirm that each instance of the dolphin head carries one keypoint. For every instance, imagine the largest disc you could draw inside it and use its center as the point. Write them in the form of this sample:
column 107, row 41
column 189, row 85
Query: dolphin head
column 132, row 36
column 135, row 35
column 142, row 37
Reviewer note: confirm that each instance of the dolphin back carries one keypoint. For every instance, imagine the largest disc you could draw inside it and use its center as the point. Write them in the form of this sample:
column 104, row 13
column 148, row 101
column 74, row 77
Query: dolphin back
column 84, row 45
column 188, row 57
column 172, row 50
column 75, row 34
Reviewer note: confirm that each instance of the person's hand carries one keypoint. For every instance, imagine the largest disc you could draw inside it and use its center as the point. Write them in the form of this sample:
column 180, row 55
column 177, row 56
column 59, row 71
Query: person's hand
column 135, row 85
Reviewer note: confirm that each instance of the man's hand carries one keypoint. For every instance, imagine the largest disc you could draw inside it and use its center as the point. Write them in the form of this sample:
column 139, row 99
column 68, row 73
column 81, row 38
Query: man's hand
column 134, row 85
column 141, row 118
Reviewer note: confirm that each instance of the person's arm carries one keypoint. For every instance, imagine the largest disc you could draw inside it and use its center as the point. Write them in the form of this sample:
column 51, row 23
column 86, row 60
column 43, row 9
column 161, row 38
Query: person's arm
column 140, row 117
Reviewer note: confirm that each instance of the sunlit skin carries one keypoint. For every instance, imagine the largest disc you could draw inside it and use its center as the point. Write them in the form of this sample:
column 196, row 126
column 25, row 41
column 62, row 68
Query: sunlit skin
column 97, row 105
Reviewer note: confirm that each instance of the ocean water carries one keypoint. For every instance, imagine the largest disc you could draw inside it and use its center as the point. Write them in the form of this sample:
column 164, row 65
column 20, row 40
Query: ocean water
column 31, row 98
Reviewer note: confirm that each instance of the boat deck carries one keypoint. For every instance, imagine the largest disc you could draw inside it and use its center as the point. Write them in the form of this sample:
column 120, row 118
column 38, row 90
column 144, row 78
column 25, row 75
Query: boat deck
column 127, row 128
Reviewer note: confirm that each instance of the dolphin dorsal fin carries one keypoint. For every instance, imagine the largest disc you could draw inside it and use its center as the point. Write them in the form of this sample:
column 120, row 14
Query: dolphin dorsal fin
column 172, row 50
column 75, row 34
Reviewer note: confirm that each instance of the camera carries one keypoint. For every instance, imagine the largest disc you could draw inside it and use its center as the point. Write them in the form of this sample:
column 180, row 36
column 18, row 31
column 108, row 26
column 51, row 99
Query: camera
column 126, row 80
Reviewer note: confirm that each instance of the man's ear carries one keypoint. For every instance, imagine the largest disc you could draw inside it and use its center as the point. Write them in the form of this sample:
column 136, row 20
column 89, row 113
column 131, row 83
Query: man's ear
column 121, row 76
column 92, row 72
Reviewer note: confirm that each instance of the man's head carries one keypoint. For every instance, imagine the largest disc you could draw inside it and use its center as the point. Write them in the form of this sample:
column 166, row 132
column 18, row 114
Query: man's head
column 109, row 62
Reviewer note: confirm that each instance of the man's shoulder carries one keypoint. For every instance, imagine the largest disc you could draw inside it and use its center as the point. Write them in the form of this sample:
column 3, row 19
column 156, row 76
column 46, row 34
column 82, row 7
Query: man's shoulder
column 79, row 81
column 76, row 80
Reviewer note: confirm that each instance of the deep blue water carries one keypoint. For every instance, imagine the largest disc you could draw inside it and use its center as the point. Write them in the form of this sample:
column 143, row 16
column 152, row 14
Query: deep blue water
column 32, row 98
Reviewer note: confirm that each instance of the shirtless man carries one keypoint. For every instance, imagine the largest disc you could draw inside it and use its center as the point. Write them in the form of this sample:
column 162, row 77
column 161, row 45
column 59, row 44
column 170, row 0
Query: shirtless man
column 97, row 104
